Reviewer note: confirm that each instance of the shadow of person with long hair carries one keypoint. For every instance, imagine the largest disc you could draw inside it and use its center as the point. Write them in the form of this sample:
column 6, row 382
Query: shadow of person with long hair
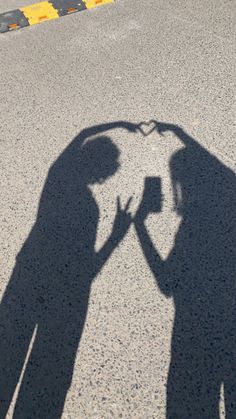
column 200, row 276
column 49, row 289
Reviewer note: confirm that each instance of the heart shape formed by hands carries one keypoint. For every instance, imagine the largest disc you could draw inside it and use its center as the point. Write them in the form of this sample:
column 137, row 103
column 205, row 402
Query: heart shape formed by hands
column 147, row 128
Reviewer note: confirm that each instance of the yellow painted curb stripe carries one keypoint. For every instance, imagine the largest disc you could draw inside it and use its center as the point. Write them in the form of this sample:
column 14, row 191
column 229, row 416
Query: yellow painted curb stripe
column 94, row 3
column 39, row 12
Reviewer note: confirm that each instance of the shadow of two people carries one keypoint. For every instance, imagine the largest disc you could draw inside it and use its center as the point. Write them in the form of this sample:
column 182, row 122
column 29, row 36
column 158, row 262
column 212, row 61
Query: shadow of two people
column 50, row 284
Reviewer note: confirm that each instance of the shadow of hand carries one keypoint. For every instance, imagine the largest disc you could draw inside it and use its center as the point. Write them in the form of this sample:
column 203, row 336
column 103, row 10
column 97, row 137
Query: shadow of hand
column 122, row 222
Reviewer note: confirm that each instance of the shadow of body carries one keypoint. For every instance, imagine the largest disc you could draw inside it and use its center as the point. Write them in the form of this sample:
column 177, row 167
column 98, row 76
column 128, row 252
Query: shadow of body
column 200, row 276
column 49, row 288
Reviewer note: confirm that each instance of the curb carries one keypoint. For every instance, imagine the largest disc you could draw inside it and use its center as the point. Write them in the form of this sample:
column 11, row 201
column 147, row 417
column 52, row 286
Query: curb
column 46, row 10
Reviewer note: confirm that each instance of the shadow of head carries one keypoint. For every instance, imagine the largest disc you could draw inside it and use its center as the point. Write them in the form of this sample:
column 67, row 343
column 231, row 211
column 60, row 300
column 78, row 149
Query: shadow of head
column 99, row 159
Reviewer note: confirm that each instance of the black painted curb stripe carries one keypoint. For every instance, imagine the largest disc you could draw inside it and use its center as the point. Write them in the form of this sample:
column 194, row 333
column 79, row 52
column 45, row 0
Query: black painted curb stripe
column 12, row 20
column 66, row 7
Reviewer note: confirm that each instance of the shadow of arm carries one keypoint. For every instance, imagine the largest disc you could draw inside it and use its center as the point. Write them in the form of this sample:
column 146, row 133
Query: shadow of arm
column 105, row 252
column 121, row 226
column 98, row 129
column 158, row 267
column 186, row 139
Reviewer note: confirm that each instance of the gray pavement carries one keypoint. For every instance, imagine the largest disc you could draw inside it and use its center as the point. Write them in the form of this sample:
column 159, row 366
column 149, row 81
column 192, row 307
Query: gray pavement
column 8, row 5
column 159, row 338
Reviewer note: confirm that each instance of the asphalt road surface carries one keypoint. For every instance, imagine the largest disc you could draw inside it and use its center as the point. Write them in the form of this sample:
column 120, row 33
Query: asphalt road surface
column 111, row 307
